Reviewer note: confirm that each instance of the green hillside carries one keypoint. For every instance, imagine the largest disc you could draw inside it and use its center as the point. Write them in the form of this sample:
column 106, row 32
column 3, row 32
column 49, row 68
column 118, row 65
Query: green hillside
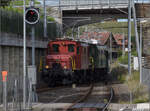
column 114, row 27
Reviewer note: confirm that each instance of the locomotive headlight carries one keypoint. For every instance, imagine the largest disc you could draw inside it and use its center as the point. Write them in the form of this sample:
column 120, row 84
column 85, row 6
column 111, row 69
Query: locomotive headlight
column 47, row 67
column 65, row 67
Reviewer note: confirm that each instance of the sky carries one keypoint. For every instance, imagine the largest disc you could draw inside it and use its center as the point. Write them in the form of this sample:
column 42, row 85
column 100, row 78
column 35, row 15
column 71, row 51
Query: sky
column 50, row 2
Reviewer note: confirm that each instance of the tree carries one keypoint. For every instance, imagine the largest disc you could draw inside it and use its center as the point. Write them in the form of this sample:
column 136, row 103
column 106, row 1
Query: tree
column 4, row 3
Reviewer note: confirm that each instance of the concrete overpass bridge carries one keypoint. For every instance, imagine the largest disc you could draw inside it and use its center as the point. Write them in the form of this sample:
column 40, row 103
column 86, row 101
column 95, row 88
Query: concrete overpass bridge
column 77, row 12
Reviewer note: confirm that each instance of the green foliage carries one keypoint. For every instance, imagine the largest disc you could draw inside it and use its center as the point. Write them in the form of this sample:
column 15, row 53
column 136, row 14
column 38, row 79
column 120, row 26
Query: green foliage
column 10, row 7
column 141, row 100
column 123, row 60
column 20, row 3
column 4, row 3
column 51, row 19
column 115, row 27
column 12, row 22
column 134, row 53
column 138, row 90
column 69, row 32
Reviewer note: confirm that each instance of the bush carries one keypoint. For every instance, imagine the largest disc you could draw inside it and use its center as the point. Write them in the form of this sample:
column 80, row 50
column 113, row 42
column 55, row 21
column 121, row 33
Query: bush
column 12, row 22
column 123, row 60
column 4, row 3
column 138, row 90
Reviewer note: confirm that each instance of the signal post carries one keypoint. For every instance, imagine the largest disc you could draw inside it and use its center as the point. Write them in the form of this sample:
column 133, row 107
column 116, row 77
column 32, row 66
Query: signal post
column 4, row 76
column 31, row 16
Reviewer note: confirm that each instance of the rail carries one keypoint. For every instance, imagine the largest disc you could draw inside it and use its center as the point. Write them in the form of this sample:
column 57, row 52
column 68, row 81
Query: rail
column 111, row 97
column 82, row 98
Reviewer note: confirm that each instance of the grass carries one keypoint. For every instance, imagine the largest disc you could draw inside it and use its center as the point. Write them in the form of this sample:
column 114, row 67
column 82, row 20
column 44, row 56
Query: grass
column 139, row 91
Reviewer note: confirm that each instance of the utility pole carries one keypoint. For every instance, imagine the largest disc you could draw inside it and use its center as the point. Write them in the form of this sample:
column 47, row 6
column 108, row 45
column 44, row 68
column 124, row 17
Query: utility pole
column 78, row 32
column 33, row 45
column 24, row 56
column 141, row 30
column 5, row 103
column 129, row 37
column 45, row 19
column 110, row 47
column 123, row 46
column 60, row 17
column 136, row 34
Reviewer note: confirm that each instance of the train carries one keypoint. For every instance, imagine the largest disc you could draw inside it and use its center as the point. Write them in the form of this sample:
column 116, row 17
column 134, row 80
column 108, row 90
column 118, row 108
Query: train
column 71, row 61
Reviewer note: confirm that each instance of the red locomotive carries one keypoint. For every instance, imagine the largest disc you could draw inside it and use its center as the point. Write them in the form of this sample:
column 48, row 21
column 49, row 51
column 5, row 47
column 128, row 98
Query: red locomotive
column 72, row 61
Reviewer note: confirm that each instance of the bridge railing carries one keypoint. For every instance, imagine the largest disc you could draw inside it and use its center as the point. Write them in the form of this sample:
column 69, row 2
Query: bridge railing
column 95, row 3
column 142, row 1
column 92, row 3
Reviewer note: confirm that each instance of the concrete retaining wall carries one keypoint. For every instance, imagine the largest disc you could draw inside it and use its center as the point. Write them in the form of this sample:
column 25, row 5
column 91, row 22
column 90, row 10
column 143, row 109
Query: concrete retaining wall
column 11, row 56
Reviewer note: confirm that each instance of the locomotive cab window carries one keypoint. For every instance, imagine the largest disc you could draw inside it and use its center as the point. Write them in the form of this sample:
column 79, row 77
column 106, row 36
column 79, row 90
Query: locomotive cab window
column 71, row 48
column 55, row 47
column 78, row 50
column 48, row 50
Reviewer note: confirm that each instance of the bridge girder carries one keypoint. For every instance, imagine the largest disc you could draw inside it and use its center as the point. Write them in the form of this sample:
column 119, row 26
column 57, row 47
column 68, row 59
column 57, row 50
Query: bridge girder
column 75, row 18
column 71, row 17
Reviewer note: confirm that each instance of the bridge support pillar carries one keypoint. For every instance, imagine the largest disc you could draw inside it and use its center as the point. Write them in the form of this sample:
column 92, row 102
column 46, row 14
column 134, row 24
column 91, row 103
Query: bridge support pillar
column 0, row 73
column 143, row 10
column 0, row 60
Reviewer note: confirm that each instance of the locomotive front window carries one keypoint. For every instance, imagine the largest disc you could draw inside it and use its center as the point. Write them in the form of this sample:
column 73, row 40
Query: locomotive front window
column 78, row 50
column 71, row 48
column 48, row 50
column 55, row 47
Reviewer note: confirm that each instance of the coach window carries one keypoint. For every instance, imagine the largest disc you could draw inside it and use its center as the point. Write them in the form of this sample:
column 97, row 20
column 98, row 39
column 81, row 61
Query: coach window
column 55, row 47
column 71, row 48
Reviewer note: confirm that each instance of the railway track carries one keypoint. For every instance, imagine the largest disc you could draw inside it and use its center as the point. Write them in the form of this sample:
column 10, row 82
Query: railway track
column 41, row 90
column 88, row 94
column 80, row 94
column 110, row 99
column 81, row 99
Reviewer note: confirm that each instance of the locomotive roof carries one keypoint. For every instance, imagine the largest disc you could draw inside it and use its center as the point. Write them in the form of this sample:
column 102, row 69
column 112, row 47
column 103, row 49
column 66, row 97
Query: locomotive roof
column 88, row 42
column 92, row 41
